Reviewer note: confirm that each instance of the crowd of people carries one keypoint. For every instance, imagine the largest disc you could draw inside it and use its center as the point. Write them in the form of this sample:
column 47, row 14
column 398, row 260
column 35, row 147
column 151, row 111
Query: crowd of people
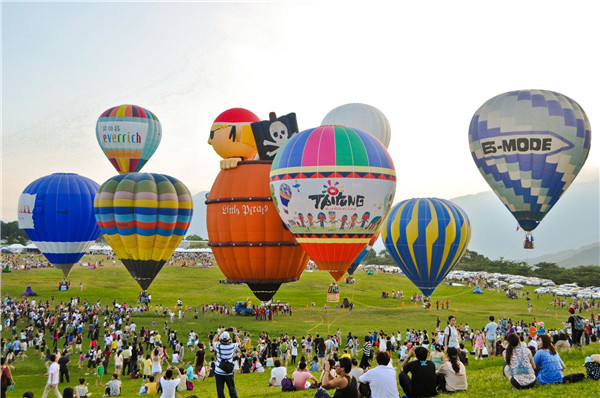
column 421, row 362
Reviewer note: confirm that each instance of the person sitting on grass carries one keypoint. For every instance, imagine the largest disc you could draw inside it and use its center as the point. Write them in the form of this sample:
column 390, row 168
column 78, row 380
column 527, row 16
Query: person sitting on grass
column 344, row 383
column 113, row 387
column 382, row 378
column 301, row 377
column 423, row 380
column 277, row 374
column 519, row 367
column 548, row 364
column 452, row 375
column 82, row 389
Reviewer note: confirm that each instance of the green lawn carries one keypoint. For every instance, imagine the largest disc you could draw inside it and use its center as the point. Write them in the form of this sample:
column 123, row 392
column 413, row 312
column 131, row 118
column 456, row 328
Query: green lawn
column 201, row 286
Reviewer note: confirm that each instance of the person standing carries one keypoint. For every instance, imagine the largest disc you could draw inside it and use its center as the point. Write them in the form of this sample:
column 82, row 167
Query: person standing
column 577, row 327
column 63, row 369
column 490, row 337
column 7, row 379
column 200, row 361
column 451, row 334
column 53, row 371
column 225, row 349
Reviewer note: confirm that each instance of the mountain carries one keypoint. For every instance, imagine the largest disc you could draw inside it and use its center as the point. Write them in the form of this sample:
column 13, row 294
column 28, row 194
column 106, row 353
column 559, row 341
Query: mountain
column 586, row 255
column 569, row 235
column 198, row 224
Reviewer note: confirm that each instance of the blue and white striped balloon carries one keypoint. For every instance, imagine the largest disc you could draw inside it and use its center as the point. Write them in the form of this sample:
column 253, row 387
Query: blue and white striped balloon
column 426, row 237
column 529, row 145
column 57, row 213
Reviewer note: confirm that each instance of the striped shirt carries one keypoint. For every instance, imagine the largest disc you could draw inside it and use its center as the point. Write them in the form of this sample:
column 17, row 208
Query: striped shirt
column 367, row 348
column 224, row 352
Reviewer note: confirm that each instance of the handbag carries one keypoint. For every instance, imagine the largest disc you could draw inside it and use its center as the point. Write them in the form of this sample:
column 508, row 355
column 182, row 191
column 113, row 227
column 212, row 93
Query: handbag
column 225, row 365
column 189, row 385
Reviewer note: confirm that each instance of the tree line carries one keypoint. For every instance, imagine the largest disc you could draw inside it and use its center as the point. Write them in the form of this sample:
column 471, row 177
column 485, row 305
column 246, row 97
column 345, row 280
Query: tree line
column 584, row 275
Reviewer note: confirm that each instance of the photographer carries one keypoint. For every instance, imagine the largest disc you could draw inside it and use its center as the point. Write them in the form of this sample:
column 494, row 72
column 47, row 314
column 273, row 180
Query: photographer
column 225, row 349
column 167, row 383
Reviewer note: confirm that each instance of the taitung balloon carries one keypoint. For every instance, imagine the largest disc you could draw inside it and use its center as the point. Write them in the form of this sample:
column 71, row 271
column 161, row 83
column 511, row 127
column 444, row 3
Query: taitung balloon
column 129, row 136
column 342, row 182
column 57, row 213
column 361, row 116
column 144, row 217
column 426, row 237
column 529, row 145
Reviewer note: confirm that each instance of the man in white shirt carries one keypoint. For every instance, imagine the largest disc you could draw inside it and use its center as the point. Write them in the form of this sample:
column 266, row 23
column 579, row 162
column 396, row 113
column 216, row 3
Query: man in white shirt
column 277, row 374
column 52, row 383
column 168, row 384
column 382, row 378
column 490, row 337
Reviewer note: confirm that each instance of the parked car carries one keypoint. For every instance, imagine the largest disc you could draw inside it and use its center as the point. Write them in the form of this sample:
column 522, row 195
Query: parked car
column 515, row 286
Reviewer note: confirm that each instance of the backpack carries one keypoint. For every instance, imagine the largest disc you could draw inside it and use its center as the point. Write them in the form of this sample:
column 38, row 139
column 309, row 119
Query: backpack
column 287, row 384
column 578, row 323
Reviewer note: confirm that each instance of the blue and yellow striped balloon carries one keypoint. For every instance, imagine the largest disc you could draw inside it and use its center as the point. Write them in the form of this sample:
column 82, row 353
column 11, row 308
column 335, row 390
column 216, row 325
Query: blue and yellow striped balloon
column 426, row 237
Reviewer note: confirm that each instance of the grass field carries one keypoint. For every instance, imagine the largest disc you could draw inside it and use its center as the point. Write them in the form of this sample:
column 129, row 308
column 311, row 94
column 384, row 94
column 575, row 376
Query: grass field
column 196, row 286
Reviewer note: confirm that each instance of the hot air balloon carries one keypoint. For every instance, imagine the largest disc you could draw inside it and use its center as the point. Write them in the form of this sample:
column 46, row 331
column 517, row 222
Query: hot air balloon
column 129, row 136
column 363, row 254
column 529, row 145
column 248, row 240
column 144, row 217
column 57, row 213
column 231, row 136
column 344, row 182
column 426, row 237
column 362, row 116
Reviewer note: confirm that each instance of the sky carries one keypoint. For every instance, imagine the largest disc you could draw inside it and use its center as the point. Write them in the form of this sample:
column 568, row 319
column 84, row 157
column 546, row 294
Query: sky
column 427, row 66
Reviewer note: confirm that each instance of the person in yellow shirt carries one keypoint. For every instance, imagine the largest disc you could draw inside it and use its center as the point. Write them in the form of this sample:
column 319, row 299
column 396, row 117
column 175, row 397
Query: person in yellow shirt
column 346, row 355
column 151, row 386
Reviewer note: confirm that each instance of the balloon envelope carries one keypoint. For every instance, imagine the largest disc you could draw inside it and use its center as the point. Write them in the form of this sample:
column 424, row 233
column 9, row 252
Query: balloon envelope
column 332, row 186
column 529, row 145
column 363, row 254
column 361, row 116
column 129, row 136
column 144, row 217
column 248, row 240
column 426, row 238
column 57, row 213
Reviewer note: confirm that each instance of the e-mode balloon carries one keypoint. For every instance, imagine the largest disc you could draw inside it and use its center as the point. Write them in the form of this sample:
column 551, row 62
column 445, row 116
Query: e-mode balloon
column 529, row 146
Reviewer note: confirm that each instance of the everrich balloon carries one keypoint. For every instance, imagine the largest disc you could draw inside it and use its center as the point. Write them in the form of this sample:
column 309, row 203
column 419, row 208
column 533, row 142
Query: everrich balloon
column 144, row 217
column 332, row 186
column 426, row 237
column 529, row 146
column 129, row 136
column 57, row 213
column 361, row 116
column 248, row 240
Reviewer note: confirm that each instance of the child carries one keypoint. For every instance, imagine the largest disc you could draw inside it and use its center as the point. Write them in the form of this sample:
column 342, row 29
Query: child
column 82, row 357
column 82, row 389
column 99, row 373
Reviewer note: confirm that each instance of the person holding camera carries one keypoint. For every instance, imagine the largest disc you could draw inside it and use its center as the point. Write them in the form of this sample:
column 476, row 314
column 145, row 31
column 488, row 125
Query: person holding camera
column 168, row 383
column 225, row 349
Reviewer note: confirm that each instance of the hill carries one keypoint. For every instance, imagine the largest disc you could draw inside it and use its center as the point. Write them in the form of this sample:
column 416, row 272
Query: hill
column 573, row 223
column 586, row 255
